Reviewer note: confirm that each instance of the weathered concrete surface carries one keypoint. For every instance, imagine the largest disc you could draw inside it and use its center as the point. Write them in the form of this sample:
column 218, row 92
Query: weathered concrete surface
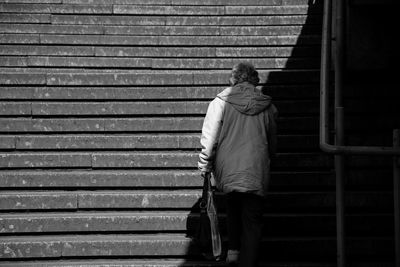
column 119, row 93
column 15, row 108
column 155, row 52
column 158, row 124
column 55, row 8
column 44, row 160
column 132, row 141
column 118, row 108
column 26, row 18
column 10, row 38
column 7, row 142
column 50, row 29
column 201, row 93
column 23, row 50
column 185, row 199
column 98, row 39
column 275, row 225
column 22, row 78
column 101, row 79
column 118, row 179
column 162, row 245
column 168, row 10
column 107, row 20
column 13, row 200
column 95, row 221
column 138, row 141
column 101, row 178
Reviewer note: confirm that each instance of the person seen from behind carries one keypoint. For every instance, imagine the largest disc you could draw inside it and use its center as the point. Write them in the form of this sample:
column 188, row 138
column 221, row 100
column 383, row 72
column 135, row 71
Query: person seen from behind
column 238, row 140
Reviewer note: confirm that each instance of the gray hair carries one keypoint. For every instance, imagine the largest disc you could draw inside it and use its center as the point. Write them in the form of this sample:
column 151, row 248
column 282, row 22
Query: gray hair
column 244, row 72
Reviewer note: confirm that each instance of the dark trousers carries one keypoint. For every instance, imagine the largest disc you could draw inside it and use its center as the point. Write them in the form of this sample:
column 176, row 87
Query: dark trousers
column 244, row 224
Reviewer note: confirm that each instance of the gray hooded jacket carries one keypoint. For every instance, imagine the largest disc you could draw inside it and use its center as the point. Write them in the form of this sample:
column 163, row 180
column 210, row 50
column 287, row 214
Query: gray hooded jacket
column 238, row 138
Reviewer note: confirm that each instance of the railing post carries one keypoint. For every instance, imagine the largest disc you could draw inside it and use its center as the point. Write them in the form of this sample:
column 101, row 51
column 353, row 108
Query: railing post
column 339, row 129
column 340, row 175
column 396, row 195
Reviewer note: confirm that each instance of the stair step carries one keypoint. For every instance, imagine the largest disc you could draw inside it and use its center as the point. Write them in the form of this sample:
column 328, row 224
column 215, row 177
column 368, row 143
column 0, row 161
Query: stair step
column 142, row 160
column 177, row 263
column 312, row 180
column 170, row 244
column 55, row 8
column 268, row 30
column 145, row 93
column 25, row 18
column 155, row 108
column 53, row 29
column 169, row 20
column 182, row 199
column 158, row 263
column 190, row 9
column 202, row 41
column 13, row 38
column 154, row 52
column 154, row 178
column 152, row 77
column 275, row 225
column 137, row 108
column 188, row 63
column 135, row 141
column 287, row 125
column 191, row 2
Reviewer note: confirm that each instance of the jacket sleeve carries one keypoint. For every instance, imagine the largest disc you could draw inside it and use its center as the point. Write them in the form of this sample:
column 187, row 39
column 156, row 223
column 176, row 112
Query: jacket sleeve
column 210, row 133
column 272, row 130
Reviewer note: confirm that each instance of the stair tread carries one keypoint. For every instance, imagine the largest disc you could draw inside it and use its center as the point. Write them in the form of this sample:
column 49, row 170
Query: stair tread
column 154, row 263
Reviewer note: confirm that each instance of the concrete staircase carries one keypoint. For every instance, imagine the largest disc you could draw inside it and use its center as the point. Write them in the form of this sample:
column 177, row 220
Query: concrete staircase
column 101, row 108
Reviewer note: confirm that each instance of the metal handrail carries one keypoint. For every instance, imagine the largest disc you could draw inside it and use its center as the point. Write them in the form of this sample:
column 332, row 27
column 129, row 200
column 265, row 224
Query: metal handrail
column 324, row 99
column 339, row 150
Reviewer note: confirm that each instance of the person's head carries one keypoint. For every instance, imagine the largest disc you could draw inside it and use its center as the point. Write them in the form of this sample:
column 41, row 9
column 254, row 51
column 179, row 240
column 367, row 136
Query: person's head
column 244, row 72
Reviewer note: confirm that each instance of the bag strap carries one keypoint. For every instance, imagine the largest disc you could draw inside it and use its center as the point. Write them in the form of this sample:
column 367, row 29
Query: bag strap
column 204, row 198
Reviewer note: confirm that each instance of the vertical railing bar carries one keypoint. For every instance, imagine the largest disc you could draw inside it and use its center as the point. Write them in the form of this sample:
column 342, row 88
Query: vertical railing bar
column 340, row 202
column 396, row 195
column 339, row 130
column 325, row 71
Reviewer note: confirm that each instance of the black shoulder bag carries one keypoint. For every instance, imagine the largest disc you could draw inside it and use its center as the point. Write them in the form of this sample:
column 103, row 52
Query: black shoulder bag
column 207, row 234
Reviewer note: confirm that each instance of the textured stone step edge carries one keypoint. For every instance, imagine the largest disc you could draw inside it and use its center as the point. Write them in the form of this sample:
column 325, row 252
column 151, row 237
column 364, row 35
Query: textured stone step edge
column 160, row 9
column 136, row 108
column 170, row 30
column 287, row 125
column 124, row 20
column 274, row 224
column 152, row 77
column 165, row 159
column 158, row 199
column 161, row 245
column 161, row 159
column 160, row 263
column 148, row 124
column 175, row 263
column 180, row 41
column 135, row 141
column 156, row 63
column 144, row 93
column 157, row 52
column 162, row 2
column 152, row 178
column 123, row 179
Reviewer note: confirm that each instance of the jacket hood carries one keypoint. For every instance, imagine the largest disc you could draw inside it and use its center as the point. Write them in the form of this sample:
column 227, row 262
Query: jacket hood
column 246, row 98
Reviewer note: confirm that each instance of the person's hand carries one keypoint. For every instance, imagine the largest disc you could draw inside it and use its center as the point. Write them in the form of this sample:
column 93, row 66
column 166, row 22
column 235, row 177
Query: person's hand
column 205, row 174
